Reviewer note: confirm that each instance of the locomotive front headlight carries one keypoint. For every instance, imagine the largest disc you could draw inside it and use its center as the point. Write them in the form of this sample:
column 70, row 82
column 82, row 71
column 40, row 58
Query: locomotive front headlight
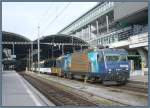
column 118, row 69
column 109, row 70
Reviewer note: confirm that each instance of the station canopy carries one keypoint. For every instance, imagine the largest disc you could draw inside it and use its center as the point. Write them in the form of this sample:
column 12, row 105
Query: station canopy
column 13, row 37
column 51, row 46
column 9, row 42
column 55, row 45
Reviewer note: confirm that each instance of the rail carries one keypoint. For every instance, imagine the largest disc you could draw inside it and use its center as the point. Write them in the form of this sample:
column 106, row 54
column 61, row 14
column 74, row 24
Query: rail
column 57, row 94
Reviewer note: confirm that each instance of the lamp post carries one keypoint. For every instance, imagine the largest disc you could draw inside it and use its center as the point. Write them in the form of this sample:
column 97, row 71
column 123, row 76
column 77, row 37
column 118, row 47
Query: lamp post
column 29, row 60
column 38, row 49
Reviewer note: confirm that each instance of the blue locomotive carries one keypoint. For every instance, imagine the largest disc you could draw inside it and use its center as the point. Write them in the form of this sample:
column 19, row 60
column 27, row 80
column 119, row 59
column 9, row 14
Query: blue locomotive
column 110, row 66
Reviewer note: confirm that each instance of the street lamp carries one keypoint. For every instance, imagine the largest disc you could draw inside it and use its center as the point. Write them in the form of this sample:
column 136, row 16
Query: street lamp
column 38, row 49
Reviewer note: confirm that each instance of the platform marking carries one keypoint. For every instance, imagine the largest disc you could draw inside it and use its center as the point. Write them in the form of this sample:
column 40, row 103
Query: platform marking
column 36, row 101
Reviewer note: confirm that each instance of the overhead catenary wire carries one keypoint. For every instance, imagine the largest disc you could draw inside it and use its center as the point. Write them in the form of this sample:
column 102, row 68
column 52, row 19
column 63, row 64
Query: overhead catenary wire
column 46, row 13
column 57, row 15
column 53, row 20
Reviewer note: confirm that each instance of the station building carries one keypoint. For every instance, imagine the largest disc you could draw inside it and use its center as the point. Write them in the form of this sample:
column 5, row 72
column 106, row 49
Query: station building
column 117, row 25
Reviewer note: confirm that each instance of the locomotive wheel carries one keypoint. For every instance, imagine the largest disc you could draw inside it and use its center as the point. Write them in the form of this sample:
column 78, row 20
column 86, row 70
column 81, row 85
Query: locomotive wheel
column 65, row 75
column 122, row 82
column 70, row 76
column 92, row 80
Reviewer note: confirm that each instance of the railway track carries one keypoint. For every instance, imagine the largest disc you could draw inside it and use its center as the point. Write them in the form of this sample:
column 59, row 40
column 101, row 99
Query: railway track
column 135, row 87
column 57, row 95
column 130, row 87
column 143, row 89
column 96, row 99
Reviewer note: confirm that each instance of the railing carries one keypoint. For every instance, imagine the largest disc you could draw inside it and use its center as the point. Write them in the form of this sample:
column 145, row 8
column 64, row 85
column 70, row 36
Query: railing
column 140, row 38
column 125, row 34
column 121, row 35
column 138, row 29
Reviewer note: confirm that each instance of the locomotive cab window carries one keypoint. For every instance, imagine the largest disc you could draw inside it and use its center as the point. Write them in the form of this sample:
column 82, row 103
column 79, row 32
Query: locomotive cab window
column 112, row 58
column 123, row 58
column 116, row 58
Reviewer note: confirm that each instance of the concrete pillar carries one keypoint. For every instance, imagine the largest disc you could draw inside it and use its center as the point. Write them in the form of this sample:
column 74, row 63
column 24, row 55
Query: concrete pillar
column 97, row 26
column 82, row 36
column 107, row 23
column 89, row 31
column 144, row 56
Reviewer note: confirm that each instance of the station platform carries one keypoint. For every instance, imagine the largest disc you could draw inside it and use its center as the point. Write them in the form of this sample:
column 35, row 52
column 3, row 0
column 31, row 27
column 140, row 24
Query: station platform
column 139, row 79
column 16, row 91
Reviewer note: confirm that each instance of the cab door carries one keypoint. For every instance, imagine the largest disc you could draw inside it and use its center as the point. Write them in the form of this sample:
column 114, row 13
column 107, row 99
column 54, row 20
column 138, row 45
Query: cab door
column 92, row 56
column 101, row 63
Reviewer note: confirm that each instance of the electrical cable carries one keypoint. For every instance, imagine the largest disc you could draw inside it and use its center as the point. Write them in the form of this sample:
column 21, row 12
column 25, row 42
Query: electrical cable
column 45, row 13
column 52, row 21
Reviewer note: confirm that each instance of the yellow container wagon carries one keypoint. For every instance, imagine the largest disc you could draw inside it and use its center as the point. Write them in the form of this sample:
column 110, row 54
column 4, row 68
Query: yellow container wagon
column 56, row 71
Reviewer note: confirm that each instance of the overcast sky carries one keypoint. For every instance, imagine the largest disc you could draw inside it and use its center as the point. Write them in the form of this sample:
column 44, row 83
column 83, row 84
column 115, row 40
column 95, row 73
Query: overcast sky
column 23, row 18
